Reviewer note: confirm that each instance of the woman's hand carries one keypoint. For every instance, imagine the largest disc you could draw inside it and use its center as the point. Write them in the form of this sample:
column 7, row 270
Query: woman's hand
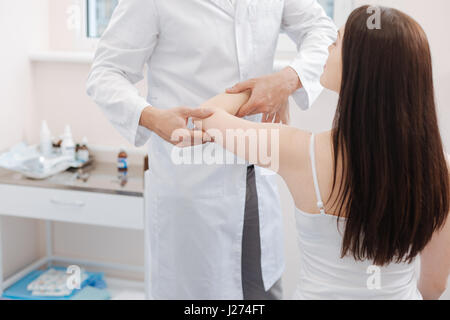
column 199, row 128
column 171, row 124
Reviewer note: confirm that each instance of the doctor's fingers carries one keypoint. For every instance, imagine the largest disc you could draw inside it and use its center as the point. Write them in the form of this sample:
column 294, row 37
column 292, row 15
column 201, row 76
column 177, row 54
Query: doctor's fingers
column 255, row 105
column 284, row 114
column 199, row 113
column 269, row 117
column 247, row 109
column 186, row 112
column 278, row 119
column 191, row 137
column 242, row 86
column 284, row 117
column 199, row 137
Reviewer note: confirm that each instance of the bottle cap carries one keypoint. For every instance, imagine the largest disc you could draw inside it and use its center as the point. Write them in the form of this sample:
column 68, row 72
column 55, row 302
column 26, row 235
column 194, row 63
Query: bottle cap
column 44, row 129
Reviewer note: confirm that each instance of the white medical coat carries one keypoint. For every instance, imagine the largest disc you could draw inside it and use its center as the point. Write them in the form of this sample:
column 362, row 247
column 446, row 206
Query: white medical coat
column 194, row 49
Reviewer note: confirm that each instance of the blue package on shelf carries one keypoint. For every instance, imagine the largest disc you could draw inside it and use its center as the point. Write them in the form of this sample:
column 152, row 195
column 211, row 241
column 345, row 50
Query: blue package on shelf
column 19, row 290
column 91, row 293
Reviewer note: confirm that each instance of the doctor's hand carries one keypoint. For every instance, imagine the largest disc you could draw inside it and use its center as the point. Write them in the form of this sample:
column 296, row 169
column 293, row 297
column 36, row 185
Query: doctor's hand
column 167, row 124
column 269, row 95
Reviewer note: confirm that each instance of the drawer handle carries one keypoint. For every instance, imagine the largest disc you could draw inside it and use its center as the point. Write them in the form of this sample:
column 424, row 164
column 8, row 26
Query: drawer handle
column 78, row 204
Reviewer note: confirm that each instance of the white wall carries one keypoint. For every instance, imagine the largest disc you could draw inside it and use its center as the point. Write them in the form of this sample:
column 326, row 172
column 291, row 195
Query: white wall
column 17, row 109
column 18, row 35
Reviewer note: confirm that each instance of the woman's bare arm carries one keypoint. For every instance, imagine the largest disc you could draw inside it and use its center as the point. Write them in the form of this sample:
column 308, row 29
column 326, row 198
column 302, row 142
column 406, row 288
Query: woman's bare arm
column 435, row 263
column 230, row 103
column 274, row 146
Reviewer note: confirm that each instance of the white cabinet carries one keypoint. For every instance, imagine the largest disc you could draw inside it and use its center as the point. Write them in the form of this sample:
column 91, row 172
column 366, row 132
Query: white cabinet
column 102, row 209
column 98, row 203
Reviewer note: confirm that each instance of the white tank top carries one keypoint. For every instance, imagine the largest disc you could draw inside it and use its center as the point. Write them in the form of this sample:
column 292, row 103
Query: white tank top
column 325, row 275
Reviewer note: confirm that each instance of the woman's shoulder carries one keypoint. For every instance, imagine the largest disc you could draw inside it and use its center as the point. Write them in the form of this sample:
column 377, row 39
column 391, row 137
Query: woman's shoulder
column 297, row 148
column 324, row 145
column 301, row 141
column 293, row 148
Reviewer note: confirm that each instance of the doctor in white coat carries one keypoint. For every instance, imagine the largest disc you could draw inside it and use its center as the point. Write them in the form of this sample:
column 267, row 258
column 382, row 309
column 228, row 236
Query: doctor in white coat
column 215, row 230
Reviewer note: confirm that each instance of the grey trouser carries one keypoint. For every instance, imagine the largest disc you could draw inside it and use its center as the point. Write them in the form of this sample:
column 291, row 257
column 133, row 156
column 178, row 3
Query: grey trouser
column 252, row 280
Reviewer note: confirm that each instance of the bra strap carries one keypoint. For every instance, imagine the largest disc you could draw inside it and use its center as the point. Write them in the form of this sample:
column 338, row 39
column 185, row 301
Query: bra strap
column 312, row 155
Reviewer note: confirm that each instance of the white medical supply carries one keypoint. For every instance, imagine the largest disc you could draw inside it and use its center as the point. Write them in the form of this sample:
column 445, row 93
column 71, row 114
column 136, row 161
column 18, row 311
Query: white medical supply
column 68, row 146
column 29, row 161
column 17, row 156
column 52, row 283
column 45, row 140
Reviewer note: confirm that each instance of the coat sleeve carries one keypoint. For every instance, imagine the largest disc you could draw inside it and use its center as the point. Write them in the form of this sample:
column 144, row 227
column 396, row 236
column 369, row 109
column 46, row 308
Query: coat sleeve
column 307, row 24
column 119, row 62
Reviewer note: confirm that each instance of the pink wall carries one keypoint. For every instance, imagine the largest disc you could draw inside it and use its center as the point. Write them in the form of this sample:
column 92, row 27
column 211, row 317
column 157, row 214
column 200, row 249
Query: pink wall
column 61, row 99
column 16, row 91
column 60, row 91
column 23, row 27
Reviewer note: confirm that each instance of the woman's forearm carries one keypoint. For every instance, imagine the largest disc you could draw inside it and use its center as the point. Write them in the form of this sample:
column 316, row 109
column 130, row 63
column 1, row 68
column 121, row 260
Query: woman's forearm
column 231, row 103
column 267, row 145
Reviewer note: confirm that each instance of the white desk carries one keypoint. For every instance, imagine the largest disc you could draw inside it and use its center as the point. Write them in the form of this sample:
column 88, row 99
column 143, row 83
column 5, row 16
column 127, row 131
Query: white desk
column 100, row 201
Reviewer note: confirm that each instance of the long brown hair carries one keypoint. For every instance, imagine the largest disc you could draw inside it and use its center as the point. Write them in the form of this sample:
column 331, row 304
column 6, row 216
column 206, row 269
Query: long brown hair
column 395, row 185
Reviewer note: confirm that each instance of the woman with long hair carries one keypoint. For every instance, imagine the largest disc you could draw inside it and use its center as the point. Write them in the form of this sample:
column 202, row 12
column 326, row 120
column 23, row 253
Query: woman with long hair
column 372, row 194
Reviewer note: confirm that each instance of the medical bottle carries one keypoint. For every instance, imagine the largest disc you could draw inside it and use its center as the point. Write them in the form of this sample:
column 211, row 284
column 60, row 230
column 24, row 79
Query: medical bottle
column 45, row 140
column 68, row 146
column 122, row 163
column 83, row 151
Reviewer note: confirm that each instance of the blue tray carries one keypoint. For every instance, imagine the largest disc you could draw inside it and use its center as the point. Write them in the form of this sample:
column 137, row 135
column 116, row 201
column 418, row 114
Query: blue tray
column 19, row 290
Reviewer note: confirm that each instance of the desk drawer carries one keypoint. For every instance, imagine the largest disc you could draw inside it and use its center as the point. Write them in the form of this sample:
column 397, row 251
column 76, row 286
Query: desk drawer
column 92, row 208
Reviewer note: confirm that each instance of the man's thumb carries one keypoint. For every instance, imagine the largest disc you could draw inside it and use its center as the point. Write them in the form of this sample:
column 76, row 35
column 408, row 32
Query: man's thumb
column 201, row 113
column 245, row 110
column 239, row 87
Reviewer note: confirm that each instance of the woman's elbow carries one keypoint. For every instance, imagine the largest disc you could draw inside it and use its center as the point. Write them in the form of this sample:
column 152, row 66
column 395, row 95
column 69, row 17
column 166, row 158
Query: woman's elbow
column 441, row 288
column 433, row 291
